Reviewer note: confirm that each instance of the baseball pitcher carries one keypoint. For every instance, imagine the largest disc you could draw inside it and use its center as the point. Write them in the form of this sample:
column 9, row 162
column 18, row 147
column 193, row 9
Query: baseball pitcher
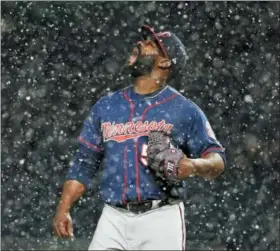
column 148, row 139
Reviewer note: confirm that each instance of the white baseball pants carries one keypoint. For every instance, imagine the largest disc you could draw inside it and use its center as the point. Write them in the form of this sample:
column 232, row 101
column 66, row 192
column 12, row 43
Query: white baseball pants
column 159, row 229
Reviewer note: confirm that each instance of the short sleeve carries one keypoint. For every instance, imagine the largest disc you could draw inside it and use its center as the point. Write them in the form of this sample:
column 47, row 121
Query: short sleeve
column 85, row 165
column 91, row 135
column 200, row 138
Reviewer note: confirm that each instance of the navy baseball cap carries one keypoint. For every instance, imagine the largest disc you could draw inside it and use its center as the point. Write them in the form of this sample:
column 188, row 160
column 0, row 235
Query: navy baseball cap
column 170, row 45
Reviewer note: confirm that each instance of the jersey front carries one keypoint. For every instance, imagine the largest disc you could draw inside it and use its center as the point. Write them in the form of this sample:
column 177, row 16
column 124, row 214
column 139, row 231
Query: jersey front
column 118, row 126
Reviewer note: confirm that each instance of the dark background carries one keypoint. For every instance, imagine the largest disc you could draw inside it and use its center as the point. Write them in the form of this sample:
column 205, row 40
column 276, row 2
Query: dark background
column 58, row 58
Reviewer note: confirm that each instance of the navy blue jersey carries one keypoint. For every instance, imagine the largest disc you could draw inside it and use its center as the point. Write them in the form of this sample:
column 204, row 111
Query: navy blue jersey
column 115, row 133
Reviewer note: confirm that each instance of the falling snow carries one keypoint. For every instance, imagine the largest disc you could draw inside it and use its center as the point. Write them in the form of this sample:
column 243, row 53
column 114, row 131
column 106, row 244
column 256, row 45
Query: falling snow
column 58, row 58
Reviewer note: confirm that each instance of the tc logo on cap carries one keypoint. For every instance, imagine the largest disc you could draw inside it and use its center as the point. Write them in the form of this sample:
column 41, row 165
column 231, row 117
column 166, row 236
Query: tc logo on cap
column 174, row 60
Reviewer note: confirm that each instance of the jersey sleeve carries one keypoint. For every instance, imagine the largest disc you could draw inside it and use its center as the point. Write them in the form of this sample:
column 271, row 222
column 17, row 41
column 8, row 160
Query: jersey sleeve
column 200, row 138
column 85, row 165
column 90, row 153
column 91, row 135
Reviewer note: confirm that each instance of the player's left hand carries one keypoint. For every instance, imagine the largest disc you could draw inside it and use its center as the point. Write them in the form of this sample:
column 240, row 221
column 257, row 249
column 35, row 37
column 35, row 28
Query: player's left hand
column 63, row 226
column 162, row 156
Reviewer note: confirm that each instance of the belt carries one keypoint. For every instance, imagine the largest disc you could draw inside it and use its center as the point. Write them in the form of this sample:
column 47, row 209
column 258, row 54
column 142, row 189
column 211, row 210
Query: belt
column 143, row 206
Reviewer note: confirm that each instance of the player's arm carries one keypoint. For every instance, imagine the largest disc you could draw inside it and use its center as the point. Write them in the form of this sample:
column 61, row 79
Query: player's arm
column 209, row 166
column 72, row 191
column 80, row 174
column 207, row 156
column 77, row 181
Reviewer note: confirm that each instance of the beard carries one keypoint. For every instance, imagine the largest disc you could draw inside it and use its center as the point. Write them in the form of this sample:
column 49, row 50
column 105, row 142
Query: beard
column 142, row 66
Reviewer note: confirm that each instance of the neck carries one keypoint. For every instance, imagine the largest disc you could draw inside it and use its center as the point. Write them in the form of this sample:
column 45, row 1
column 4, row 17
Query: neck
column 146, row 85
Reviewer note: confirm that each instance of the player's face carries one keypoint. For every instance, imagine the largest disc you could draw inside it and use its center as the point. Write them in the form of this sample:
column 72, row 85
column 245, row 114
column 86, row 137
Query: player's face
column 143, row 48
column 143, row 58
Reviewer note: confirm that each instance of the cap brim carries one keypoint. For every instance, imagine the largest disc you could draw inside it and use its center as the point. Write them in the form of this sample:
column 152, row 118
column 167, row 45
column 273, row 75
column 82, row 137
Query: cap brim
column 149, row 31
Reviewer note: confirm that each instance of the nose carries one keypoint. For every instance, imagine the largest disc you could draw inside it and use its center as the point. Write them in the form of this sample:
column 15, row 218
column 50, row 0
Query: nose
column 139, row 46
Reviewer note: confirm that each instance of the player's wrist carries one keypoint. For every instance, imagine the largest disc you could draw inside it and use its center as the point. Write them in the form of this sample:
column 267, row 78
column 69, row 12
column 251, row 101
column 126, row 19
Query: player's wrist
column 64, row 207
column 186, row 168
column 63, row 211
column 201, row 166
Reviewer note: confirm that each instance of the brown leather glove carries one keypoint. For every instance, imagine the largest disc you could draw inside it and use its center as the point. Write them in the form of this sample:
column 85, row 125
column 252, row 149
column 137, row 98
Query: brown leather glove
column 163, row 158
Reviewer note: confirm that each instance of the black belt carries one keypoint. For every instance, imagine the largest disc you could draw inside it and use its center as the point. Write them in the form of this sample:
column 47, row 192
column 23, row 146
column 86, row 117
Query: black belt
column 142, row 207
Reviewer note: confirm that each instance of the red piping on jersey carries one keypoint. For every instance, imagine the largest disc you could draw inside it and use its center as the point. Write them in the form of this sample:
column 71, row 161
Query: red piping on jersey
column 131, row 105
column 124, row 174
column 183, row 227
column 158, row 103
column 89, row 144
column 137, row 171
column 212, row 149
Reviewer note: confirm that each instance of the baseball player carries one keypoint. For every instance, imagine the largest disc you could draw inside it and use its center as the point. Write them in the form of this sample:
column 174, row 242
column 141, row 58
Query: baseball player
column 148, row 139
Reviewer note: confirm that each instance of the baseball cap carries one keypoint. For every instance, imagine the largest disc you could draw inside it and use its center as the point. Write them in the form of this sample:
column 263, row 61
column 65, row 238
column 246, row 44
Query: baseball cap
column 170, row 45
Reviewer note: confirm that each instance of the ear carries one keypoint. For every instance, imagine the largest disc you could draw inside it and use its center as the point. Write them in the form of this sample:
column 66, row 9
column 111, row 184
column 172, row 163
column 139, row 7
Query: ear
column 164, row 63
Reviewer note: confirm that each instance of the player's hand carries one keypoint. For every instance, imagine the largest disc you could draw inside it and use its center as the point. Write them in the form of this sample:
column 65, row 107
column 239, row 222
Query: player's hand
column 62, row 225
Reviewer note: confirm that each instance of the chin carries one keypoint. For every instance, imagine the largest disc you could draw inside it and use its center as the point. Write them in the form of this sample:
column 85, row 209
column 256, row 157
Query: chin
column 137, row 74
column 141, row 66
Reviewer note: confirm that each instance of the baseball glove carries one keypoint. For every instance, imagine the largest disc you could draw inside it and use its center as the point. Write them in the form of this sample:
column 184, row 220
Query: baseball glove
column 162, row 156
